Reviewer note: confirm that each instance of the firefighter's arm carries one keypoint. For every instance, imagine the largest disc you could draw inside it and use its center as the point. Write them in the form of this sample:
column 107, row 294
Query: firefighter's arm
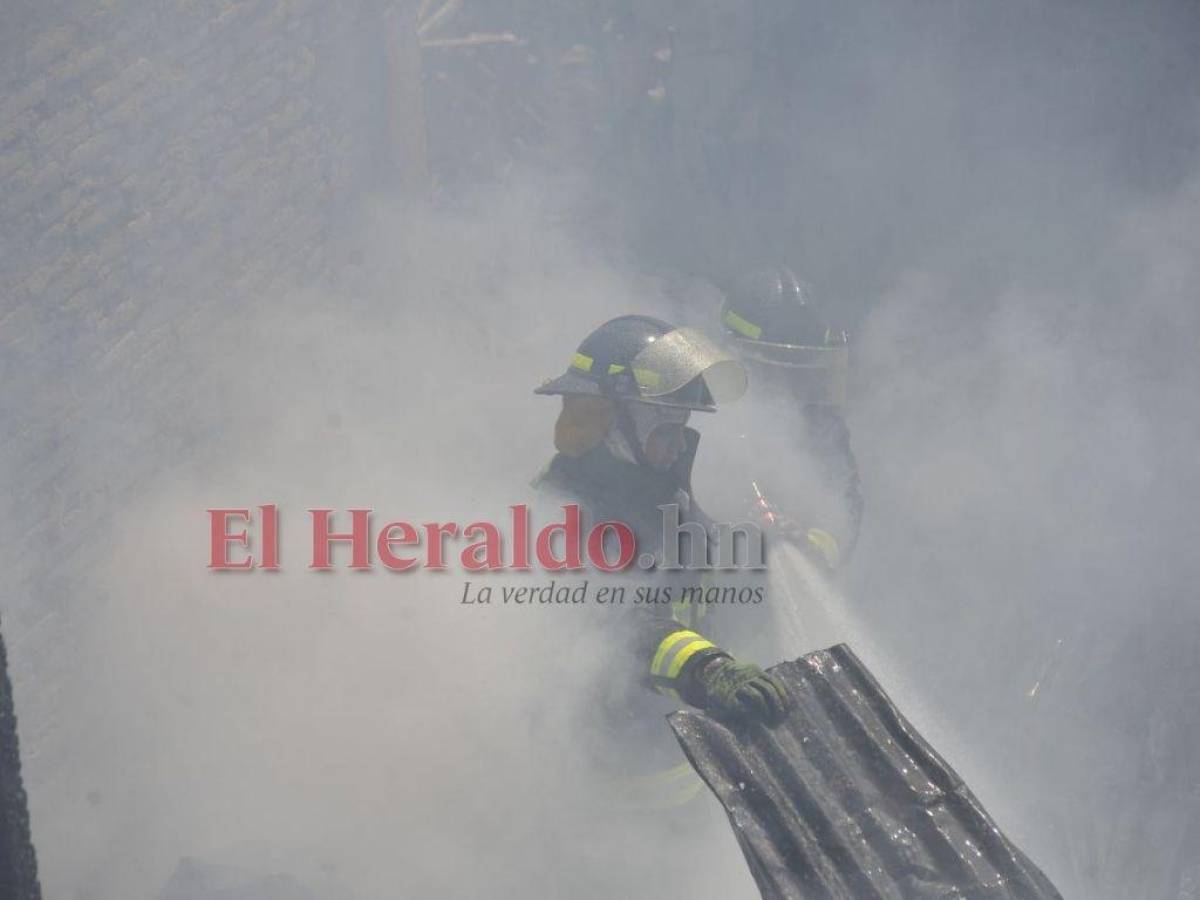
column 831, row 445
column 819, row 544
column 686, row 665
column 829, row 540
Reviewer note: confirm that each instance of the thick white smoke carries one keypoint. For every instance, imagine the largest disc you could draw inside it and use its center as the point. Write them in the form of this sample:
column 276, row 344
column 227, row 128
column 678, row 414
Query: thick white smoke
column 363, row 732
column 1000, row 203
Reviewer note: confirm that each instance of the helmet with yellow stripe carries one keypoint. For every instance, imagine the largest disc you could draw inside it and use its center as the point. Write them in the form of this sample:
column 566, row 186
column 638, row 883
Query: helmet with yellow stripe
column 643, row 359
column 771, row 319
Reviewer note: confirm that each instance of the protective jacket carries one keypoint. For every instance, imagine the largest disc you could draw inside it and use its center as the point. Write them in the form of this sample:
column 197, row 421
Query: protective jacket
column 628, row 378
column 829, row 445
column 657, row 637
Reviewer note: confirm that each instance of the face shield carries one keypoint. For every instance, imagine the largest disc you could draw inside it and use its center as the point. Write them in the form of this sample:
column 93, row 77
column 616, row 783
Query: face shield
column 812, row 374
column 685, row 368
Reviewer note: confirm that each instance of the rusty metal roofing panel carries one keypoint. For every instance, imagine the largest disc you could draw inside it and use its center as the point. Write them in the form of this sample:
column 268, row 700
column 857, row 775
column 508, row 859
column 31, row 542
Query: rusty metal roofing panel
column 844, row 799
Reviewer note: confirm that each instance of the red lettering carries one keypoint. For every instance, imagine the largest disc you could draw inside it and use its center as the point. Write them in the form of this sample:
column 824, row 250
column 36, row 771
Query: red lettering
column 489, row 545
column 359, row 538
column 221, row 539
column 270, row 538
column 408, row 537
column 626, row 543
column 436, row 553
column 520, row 522
column 570, row 530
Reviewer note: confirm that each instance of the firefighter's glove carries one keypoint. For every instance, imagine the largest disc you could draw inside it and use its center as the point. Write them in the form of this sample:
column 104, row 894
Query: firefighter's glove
column 816, row 543
column 742, row 691
column 821, row 547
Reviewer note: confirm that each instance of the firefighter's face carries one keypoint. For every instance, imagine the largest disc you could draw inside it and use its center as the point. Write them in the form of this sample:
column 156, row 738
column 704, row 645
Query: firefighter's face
column 664, row 444
column 660, row 432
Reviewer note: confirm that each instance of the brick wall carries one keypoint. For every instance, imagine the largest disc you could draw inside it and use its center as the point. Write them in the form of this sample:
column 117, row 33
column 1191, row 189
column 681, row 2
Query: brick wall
column 161, row 161
column 146, row 147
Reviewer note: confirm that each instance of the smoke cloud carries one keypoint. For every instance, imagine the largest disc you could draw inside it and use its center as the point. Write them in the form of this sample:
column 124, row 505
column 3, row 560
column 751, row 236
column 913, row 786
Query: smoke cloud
column 1000, row 203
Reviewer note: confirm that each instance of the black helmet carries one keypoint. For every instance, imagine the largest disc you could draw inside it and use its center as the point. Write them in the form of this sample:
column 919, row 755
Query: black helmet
column 645, row 359
column 771, row 305
column 771, row 319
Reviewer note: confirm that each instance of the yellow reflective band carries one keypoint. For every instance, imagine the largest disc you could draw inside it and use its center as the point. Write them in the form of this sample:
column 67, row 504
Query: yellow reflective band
column 741, row 326
column 665, row 647
column 646, row 378
column 685, row 654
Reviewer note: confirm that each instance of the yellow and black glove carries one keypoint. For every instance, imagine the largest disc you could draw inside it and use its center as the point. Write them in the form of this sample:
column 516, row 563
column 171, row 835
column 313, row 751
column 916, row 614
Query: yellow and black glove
column 741, row 691
column 690, row 667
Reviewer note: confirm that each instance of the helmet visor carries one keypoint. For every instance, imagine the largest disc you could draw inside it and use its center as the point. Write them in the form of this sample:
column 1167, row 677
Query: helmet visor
column 817, row 373
column 673, row 360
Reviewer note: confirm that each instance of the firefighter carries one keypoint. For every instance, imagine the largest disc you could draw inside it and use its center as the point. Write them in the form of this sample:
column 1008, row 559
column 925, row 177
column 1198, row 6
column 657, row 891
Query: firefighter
column 800, row 365
column 624, row 450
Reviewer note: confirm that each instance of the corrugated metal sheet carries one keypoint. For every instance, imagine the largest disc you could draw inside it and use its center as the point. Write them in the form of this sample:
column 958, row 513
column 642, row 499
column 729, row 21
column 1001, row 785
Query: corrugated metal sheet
column 846, row 800
column 18, row 862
